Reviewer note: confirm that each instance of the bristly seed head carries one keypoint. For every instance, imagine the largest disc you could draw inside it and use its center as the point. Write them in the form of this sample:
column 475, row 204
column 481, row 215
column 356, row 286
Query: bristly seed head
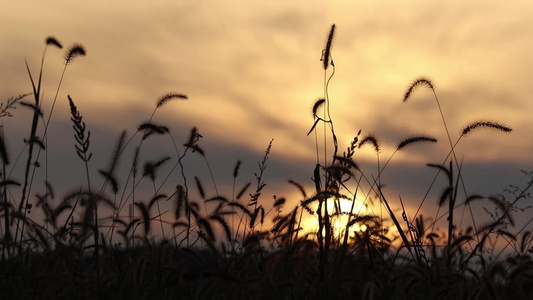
column 236, row 170
column 328, row 47
column 418, row 82
column 317, row 105
column 486, row 124
column 415, row 140
column 73, row 52
column 170, row 96
column 372, row 140
column 52, row 41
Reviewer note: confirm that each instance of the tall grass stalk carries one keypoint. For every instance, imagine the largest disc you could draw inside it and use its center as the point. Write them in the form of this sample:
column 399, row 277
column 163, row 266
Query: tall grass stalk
column 33, row 139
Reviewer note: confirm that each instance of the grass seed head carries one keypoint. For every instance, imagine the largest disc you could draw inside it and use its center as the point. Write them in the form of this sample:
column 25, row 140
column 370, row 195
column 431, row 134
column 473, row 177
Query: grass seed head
column 327, row 51
column 236, row 169
column 317, row 105
column 486, row 124
column 372, row 140
column 169, row 97
column 416, row 139
column 53, row 41
column 73, row 52
column 418, row 82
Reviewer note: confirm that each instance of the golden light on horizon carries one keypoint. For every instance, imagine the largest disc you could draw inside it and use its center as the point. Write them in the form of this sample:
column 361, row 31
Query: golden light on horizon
column 340, row 210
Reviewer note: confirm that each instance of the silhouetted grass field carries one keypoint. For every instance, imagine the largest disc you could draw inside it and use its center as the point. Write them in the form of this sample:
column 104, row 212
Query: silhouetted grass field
column 103, row 242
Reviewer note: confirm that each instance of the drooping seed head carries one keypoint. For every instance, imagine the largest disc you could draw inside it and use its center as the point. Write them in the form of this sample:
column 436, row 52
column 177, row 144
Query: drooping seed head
column 418, row 82
column 372, row 140
column 486, row 124
column 415, row 140
column 73, row 52
column 224, row 225
column 53, row 41
column 170, row 96
column 317, row 105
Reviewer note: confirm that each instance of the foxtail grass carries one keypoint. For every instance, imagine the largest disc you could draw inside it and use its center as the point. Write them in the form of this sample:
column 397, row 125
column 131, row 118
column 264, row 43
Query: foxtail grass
column 248, row 245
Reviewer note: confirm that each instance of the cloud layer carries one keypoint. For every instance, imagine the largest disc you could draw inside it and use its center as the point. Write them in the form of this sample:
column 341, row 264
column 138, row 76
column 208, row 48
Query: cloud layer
column 252, row 73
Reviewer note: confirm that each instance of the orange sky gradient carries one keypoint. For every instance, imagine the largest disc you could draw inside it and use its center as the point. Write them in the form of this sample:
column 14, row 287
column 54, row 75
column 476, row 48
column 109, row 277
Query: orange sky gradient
column 252, row 73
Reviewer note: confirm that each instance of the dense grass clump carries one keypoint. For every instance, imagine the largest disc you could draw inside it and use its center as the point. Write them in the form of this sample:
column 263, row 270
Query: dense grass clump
column 241, row 246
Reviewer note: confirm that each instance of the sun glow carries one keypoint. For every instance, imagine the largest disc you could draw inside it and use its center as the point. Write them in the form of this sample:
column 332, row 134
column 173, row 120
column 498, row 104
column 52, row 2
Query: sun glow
column 339, row 210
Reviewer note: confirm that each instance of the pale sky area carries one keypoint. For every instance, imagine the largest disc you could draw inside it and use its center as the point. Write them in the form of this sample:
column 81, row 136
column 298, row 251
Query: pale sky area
column 252, row 72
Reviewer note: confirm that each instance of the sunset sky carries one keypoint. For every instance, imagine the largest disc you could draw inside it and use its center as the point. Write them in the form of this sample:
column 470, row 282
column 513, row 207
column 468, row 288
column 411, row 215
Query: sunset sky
column 252, row 72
